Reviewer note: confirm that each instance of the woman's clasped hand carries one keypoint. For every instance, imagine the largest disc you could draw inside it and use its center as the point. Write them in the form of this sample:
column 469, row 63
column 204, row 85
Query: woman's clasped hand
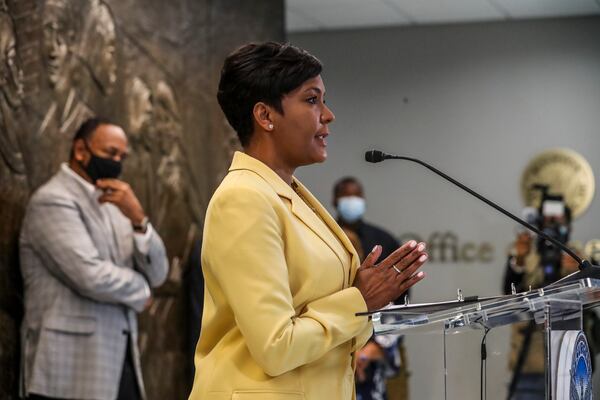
column 381, row 283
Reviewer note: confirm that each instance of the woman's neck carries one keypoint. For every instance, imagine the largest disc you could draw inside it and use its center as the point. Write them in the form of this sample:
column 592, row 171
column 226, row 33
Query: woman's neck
column 272, row 159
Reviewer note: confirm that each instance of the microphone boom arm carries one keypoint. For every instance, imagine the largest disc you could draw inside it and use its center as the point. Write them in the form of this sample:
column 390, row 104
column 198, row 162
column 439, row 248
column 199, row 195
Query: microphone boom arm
column 376, row 156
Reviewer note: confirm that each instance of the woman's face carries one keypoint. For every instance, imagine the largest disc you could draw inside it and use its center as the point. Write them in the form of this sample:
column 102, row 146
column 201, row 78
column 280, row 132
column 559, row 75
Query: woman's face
column 301, row 131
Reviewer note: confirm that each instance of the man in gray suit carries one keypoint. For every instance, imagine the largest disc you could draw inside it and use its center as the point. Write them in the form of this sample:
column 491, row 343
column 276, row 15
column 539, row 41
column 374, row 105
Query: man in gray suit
column 89, row 258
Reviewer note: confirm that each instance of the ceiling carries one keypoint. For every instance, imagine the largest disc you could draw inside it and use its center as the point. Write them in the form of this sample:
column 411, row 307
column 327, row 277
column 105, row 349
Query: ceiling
column 318, row 15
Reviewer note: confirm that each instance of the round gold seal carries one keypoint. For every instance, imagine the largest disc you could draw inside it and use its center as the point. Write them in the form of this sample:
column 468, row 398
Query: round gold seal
column 566, row 173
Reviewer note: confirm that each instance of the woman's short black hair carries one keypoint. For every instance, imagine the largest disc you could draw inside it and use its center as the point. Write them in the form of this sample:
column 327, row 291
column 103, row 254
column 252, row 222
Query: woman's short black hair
column 261, row 72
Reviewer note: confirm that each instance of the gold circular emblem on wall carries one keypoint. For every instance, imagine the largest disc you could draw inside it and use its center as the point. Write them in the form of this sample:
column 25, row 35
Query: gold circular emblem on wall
column 566, row 172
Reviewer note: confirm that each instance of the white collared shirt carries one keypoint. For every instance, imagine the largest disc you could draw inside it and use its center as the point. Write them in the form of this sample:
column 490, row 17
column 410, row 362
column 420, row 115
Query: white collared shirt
column 142, row 240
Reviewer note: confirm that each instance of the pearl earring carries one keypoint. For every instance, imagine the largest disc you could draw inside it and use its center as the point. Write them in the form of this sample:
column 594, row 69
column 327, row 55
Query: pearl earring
column 270, row 126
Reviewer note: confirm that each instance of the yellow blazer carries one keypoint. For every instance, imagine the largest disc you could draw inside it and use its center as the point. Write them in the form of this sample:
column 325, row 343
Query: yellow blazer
column 279, row 307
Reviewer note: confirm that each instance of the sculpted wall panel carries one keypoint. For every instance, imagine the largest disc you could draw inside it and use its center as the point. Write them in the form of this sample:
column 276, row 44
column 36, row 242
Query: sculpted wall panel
column 151, row 66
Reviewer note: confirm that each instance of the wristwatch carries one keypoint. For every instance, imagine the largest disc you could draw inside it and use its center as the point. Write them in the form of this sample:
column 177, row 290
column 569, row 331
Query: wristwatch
column 142, row 226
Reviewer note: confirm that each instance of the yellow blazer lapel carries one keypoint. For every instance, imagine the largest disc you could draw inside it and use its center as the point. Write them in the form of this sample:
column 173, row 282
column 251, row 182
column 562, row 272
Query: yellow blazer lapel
column 332, row 236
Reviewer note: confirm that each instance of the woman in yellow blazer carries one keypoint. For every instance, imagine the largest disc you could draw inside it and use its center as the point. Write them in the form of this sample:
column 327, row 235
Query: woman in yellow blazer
column 283, row 282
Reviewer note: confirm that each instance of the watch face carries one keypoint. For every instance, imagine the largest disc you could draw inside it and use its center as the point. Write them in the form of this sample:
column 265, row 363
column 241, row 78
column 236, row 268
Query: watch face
column 566, row 173
column 142, row 226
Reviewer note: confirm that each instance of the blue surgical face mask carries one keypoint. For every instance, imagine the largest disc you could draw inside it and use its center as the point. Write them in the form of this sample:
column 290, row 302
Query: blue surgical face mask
column 351, row 208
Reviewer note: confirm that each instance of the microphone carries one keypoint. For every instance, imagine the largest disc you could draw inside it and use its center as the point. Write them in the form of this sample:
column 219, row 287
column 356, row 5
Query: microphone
column 586, row 269
column 375, row 156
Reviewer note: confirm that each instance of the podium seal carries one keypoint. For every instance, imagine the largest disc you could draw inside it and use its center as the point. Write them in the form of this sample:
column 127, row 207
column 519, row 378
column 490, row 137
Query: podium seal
column 581, row 370
column 574, row 367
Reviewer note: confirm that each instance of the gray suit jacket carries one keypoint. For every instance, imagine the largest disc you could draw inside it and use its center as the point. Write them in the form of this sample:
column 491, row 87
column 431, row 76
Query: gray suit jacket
column 84, row 279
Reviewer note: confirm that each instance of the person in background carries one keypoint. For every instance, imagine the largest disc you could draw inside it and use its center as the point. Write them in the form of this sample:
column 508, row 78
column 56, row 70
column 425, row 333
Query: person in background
column 283, row 283
column 350, row 205
column 533, row 263
column 89, row 258
column 383, row 357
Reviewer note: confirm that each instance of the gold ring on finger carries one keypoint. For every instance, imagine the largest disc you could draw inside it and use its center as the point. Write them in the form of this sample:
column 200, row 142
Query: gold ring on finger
column 396, row 269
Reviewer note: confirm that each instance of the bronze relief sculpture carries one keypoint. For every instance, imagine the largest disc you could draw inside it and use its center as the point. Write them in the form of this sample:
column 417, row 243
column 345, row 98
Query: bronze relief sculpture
column 11, row 95
column 62, row 61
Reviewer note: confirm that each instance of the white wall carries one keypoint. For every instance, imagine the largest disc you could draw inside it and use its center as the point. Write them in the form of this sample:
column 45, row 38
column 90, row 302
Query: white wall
column 478, row 101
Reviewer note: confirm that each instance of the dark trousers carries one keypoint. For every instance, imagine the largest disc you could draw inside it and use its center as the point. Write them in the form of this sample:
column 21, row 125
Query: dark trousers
column 128, row 387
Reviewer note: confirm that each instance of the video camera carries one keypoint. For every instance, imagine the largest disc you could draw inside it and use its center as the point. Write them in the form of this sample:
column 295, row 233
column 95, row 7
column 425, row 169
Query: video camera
column 554, row 219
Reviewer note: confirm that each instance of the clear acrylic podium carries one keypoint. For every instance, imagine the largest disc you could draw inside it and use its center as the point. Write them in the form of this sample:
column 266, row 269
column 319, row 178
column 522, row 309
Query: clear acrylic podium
column 558, row 307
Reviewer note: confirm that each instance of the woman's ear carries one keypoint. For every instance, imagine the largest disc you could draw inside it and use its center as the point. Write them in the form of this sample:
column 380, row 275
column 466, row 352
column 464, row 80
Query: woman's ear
column 262, row 115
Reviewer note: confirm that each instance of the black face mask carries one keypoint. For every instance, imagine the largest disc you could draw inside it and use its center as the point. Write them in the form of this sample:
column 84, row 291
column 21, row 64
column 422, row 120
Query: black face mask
column 100, row 167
